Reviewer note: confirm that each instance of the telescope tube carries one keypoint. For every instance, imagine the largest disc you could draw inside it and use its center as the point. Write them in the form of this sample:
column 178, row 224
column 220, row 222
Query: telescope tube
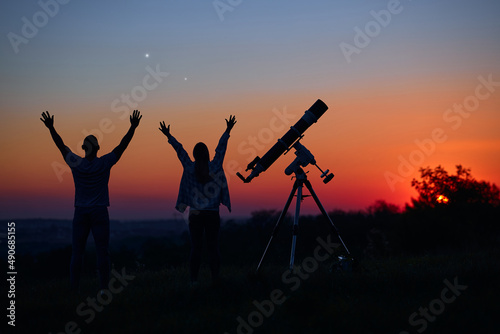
column 310, row 117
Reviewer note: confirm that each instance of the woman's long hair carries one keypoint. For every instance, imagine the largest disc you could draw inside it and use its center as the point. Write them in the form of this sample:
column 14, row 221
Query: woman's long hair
column 201, row 160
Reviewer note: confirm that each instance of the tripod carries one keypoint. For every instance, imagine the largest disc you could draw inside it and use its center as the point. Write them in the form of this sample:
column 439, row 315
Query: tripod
column 300, row 181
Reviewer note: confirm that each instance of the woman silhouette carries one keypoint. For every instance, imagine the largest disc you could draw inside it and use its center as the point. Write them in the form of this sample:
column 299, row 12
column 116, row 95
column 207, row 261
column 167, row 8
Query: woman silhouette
column 203, row 188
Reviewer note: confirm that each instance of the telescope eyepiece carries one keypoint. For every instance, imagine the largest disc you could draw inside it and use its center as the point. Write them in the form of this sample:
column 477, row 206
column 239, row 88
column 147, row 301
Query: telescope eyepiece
column 252, row 164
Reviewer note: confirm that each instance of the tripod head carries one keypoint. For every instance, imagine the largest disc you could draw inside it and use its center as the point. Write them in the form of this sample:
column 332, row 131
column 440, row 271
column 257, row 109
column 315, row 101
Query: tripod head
column 304, row 158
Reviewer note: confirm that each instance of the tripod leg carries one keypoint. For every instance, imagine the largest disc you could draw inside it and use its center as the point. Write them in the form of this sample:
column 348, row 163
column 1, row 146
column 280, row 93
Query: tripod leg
column 277, row 226
column 296, row 224
column 323, row 211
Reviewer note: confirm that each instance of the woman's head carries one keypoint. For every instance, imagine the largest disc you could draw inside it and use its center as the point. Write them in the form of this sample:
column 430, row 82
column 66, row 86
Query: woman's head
column 201, row 160
column 200, row 152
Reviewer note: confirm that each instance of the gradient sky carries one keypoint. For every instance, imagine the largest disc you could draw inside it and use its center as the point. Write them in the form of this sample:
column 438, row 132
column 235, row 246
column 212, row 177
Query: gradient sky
column 265, row 62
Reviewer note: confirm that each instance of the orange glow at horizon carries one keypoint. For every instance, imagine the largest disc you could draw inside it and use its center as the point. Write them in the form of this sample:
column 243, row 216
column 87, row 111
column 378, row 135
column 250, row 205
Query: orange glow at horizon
column 358, row 139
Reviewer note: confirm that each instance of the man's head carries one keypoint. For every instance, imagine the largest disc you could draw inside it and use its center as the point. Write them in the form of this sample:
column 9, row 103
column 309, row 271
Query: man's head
column 90, row 145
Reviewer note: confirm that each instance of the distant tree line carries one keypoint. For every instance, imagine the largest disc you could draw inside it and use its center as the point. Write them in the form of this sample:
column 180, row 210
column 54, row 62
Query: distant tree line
column 451, row 213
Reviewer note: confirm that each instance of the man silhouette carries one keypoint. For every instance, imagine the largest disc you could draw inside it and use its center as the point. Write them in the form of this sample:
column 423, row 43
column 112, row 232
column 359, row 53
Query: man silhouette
column 91, row 176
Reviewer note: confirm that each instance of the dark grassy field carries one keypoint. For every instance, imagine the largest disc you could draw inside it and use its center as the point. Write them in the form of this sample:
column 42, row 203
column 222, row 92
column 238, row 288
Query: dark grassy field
column 379, row 296
column 420, row 271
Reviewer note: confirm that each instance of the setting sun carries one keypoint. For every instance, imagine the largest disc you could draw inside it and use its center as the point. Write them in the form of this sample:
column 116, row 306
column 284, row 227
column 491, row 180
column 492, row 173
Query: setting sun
column 442, row 199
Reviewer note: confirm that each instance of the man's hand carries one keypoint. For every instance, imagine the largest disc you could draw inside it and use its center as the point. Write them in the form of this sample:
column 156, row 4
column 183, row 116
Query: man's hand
column 49, row 123
column 135, row 118
column 47, row 119
column 165, row 129
column 230, row 123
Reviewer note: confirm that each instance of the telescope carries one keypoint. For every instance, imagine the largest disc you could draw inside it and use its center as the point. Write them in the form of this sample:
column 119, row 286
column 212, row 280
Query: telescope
column 284, row 144
column 290, row 140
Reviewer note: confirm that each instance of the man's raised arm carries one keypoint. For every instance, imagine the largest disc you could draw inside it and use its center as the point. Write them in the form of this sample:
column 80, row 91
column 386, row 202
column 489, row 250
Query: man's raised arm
column 49, row 123
column 134, row 123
